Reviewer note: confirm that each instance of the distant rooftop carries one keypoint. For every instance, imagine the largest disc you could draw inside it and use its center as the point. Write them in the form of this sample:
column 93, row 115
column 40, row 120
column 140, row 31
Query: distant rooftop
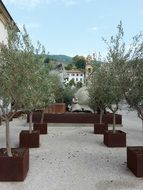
column 74, row 71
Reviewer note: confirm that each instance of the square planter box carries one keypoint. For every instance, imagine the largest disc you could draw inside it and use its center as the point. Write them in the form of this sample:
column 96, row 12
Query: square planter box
column 56, row 108
column 14, row 168
column 100, row 128
column 135, row 160
column 29, row 140
column 42, row 127
column 117, row 139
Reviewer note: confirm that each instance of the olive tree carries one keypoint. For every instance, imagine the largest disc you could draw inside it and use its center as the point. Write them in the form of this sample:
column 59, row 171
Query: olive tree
column 13, row 72
column 97, row 91
column 133, row 92
column 38, row 95
column 128, row 68
column 39, row 85
column 19, row 73
column 117, row 58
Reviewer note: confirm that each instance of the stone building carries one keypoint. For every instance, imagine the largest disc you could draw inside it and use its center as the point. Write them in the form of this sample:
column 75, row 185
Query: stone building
column 5, row 19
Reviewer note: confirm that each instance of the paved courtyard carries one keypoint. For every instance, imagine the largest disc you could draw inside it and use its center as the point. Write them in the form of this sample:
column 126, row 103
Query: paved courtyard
column 71, row 157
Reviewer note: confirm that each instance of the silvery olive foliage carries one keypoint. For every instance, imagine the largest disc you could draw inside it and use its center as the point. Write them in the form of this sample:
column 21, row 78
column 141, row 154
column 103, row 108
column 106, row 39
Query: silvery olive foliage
column 24, row 82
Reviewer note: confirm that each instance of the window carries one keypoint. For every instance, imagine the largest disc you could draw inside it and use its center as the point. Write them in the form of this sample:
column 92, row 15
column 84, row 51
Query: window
column 72, row 74
column 76, row 74
column 80, row 79
column 80, row 74
column 76, row 79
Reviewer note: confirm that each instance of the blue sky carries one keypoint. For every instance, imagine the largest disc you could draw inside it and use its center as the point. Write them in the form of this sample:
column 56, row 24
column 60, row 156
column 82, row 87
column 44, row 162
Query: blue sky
column 74, row 27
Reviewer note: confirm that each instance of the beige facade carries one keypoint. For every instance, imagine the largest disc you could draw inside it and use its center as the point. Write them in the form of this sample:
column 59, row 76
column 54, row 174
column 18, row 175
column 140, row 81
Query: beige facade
column 88, row 68
column 5, row 19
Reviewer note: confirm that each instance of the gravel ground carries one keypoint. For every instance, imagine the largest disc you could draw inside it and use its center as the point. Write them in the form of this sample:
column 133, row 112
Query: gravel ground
column 71, row 157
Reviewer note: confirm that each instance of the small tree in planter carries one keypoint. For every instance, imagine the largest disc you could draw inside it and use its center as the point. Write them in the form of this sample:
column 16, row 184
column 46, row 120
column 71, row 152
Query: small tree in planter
column 133, row 83
column 113, row 138
column 116, row 57
column 44, row 99
column 38, row 90
column 30, row 138
column 14, row 162
column 97, row 99
column 35, row 99
column 134, row 96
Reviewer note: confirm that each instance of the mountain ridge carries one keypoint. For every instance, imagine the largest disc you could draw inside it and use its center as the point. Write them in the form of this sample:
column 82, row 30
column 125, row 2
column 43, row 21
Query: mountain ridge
column 61, row 58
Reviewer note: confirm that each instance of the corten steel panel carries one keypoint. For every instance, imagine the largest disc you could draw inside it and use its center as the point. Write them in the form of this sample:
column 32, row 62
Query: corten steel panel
column 29, row 140
column 56, row 108
column 14, row 168
column 71, row 118
column 42, row 127
column 117, row 139
column 135, row 160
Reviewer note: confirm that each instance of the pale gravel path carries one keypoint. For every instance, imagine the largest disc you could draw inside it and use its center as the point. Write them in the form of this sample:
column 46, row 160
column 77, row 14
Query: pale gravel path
column 73, row 158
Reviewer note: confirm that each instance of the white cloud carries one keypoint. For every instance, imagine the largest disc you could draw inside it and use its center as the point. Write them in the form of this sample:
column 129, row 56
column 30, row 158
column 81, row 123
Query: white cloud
column 66, row 3
column 89, row 1
column 141, row 12
column 70, row 2
column 23, row 3
column 94, row 28
column 34, row 3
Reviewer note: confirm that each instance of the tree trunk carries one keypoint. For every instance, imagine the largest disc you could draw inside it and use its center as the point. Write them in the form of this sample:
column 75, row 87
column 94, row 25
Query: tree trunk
column 142, row 119
column 140, row 115
column 30, row 122
column 114, row 122
column 101, row 115
column 8, row 147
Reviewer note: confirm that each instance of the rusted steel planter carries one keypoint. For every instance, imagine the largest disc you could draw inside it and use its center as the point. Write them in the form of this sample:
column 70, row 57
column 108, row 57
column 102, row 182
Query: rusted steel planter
column 14, row 168
column 56, row 108
column 117, row 139
column 100, row 128
column 70, row 117
column 29, row 140
column 42, row 127
column 135, row 160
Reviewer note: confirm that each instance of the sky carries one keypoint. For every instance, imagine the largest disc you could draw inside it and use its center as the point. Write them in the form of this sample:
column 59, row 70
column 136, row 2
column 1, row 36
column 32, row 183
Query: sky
column 76, row 27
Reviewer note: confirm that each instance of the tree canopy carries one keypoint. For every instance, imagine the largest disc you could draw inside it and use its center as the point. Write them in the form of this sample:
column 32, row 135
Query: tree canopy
column 79, row 62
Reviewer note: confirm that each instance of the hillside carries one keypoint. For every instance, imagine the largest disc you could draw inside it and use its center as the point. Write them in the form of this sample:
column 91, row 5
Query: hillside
column 61, row 58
